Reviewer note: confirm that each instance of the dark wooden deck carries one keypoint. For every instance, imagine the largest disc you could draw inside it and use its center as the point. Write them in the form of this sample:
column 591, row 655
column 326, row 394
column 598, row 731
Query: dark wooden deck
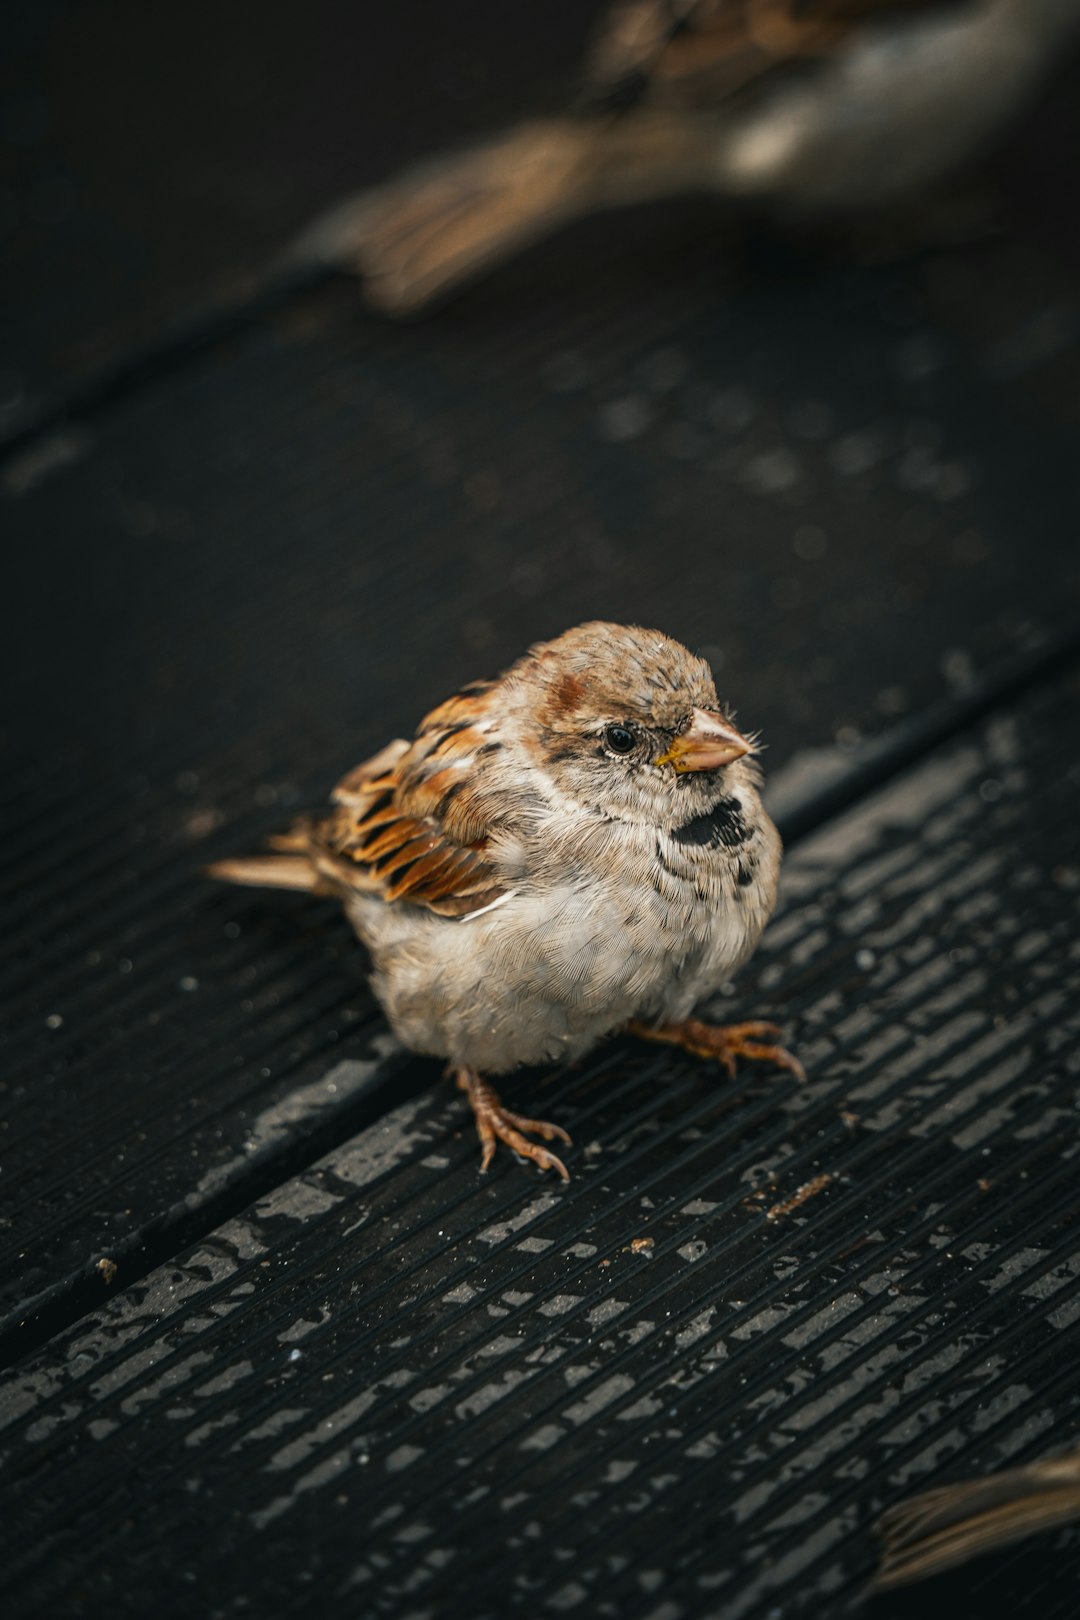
column 270, row 1344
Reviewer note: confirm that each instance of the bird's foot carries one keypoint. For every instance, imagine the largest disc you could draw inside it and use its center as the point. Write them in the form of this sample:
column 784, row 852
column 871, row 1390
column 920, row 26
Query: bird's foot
column 494, row 1123
column 724, row 1042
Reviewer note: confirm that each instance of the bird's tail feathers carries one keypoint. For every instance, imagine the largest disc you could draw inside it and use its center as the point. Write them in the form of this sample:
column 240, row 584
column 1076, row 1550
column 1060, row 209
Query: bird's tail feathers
column 269, row 871
column 953, row 1523
column 444, row 222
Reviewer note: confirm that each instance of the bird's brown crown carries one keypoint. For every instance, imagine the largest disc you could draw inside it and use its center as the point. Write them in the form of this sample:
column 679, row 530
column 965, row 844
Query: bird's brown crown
column 610, row 671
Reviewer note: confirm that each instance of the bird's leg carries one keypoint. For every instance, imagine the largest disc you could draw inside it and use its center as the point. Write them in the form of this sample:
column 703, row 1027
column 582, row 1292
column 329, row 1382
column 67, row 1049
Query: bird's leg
column 496, row 1123
column 724, row 1042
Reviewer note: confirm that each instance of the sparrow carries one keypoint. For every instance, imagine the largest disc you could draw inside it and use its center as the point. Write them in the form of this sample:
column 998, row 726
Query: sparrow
column 575, row 847
column 807, row 108
column 949, row 1525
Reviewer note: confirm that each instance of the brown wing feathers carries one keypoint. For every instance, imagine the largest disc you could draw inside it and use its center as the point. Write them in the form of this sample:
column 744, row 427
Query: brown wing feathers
column 406, row 825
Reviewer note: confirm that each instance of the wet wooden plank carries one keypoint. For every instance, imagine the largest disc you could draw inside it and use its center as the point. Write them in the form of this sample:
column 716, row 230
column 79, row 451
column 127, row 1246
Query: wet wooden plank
column 229, row 588
column 686, row 1383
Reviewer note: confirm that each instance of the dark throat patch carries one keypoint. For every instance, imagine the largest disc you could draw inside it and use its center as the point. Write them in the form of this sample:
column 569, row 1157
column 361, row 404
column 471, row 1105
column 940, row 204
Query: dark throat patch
column 721, row 827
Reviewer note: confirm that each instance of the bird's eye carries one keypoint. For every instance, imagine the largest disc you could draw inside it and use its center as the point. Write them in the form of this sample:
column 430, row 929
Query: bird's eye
column 620, row 739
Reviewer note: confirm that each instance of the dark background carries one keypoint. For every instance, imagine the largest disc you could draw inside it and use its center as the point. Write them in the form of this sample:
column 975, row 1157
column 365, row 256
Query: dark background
column 687, row 398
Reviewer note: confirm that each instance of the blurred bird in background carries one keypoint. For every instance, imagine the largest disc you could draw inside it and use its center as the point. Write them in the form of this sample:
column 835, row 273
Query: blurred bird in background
column 809, row 108
column 949, row 1525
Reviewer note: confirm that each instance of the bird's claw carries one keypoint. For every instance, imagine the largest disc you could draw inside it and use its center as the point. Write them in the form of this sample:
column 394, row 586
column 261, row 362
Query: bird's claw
column 495, row 1123
column 725, row 1042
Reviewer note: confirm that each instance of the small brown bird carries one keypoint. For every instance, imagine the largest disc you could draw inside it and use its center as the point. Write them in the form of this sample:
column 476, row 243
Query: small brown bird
column 949, row 1525
column 807, row 107
column 574, row 848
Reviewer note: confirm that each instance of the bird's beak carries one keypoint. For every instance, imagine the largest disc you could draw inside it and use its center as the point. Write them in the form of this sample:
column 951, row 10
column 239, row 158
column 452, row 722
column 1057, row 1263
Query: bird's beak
column 706, row 742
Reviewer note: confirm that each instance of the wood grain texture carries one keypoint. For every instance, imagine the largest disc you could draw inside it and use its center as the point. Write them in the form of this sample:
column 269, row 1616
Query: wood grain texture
column 682, row 1371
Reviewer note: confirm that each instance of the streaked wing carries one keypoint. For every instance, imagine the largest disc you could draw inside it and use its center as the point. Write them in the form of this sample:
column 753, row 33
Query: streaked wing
column 698, row 52
column 409, row 825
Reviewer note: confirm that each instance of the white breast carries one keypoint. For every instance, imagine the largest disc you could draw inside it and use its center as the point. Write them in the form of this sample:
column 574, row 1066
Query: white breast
column 616, row 923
